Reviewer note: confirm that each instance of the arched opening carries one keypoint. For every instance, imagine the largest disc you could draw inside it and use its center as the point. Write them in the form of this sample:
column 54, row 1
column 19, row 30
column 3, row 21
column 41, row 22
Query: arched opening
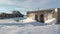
column 36, row 17
column 42, row 18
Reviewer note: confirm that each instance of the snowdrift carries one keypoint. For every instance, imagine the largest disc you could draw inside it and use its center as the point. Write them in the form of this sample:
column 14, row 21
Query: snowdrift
column 21, row 22
column 27, row 26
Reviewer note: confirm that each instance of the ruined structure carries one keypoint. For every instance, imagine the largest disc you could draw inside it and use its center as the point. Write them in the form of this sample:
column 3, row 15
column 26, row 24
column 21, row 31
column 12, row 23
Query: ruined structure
column 44, row 15
column 14, row 14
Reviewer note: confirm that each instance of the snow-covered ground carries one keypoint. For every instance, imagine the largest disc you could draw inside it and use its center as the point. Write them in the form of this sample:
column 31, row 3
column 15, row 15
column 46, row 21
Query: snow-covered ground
column 27, row 26
column 30, row 29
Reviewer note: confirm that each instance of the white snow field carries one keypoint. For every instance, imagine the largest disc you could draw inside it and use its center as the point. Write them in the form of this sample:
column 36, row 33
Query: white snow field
column 27, row 26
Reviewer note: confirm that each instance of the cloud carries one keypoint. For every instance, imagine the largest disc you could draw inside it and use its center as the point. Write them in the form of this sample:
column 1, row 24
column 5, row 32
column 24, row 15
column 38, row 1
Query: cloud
column 24, row 3
column 33, row 3
column 27, row 5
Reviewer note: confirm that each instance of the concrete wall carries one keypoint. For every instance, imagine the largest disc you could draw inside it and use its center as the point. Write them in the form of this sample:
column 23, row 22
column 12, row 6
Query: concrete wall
column 47, row 15
column 58, row 16
column 31, row 15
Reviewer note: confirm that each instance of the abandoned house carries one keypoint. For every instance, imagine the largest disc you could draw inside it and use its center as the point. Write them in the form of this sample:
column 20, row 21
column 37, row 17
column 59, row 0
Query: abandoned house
column 44, row 15
column 14, row 14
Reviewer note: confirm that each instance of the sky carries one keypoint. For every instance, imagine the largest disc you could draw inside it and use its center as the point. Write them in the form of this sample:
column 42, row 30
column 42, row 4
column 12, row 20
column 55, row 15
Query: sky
column 27, row 5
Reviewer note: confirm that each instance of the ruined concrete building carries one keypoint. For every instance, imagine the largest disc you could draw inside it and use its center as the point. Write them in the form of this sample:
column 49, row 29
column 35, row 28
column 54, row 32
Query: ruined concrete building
column 44, row 15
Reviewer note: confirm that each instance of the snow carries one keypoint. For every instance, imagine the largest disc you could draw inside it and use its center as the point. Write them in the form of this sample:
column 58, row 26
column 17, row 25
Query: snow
column 11, row 20
column 51, row 21
column 50, row 29
column 27, row 26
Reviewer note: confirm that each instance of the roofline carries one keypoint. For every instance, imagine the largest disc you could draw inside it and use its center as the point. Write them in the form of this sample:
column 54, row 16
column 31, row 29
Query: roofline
column 40, row 10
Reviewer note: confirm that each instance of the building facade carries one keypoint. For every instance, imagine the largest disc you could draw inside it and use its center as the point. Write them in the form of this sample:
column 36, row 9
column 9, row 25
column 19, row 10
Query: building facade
column 44, row 15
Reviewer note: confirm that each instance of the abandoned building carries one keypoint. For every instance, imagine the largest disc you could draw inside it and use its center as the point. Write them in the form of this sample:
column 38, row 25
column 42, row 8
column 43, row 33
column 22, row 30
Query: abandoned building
column 44, row 15
column 14, row 14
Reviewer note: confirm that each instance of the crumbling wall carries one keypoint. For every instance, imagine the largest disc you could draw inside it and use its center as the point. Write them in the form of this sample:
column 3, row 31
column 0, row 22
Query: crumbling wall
column 58, row 16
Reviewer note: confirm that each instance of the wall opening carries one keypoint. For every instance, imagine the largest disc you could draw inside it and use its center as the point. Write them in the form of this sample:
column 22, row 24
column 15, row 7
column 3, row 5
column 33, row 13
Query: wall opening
column 42, row 18
column 36, row 17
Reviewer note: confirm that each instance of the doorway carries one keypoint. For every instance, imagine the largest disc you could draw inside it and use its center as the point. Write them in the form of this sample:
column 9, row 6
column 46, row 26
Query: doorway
column 36, row 17
column 42, row 18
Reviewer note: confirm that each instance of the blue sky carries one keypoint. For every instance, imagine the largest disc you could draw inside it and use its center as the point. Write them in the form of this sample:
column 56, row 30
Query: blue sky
column 27, row 5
